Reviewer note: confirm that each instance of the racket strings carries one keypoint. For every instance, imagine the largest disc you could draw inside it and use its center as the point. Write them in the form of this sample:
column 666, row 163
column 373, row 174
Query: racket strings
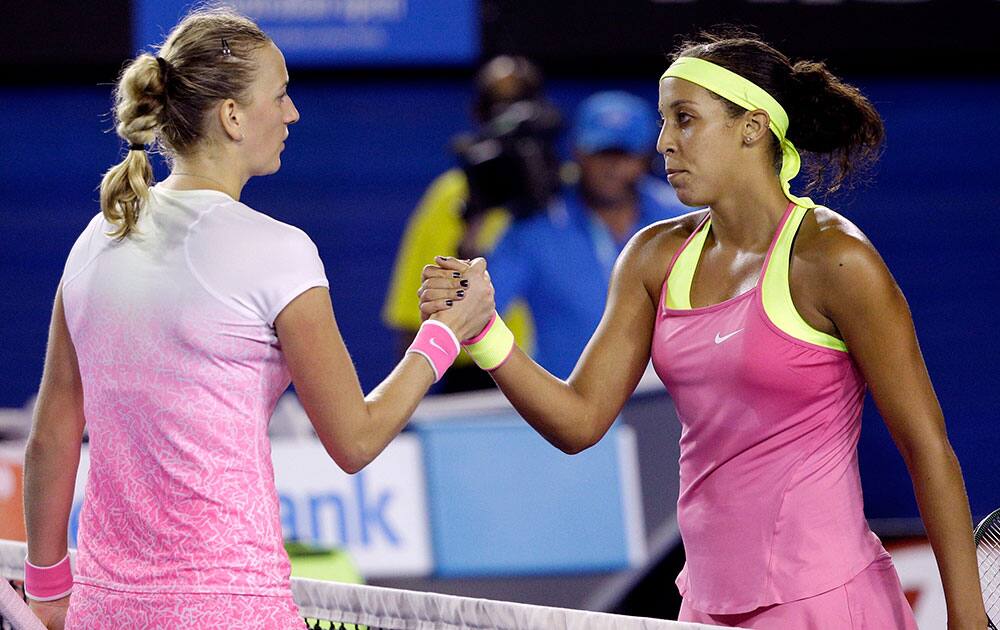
column 987, row 537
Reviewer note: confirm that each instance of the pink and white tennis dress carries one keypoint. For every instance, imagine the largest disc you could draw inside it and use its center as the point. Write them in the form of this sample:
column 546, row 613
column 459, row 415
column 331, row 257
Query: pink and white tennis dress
column 173, row 328
column 770, row 507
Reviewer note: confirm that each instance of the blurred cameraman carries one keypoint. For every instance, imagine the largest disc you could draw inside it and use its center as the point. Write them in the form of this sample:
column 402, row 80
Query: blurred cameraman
column 560, row 261
column 511, row 161
column 508, row 166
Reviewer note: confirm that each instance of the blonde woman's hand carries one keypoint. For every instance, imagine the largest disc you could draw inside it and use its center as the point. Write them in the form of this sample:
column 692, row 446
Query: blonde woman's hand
column 51, row 614
column 459, row 294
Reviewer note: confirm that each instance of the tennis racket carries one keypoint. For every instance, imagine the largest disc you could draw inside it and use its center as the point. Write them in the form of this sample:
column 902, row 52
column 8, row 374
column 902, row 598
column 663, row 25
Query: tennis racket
column 987, row 536
column 14, row 611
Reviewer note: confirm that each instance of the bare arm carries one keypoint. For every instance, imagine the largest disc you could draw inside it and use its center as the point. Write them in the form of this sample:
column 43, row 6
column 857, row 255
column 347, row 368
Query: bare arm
column 867, row 307
column 574, row 414
column 53, row 451
column 355, row 428
column 52, row 457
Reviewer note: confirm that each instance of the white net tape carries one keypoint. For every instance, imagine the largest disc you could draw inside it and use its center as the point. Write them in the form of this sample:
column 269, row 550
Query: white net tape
column 395, row 609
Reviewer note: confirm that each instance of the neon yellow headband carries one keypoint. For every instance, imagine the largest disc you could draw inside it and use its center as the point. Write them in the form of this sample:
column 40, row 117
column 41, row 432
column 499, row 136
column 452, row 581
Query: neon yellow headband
column 750, row 96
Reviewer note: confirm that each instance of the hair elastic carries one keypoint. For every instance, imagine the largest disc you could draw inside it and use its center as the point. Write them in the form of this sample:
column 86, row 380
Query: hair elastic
column 164, row 67
column 136, row 146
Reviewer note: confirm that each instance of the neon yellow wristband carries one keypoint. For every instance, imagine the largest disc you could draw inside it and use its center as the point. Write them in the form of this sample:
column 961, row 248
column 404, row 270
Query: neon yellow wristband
column 490, row 348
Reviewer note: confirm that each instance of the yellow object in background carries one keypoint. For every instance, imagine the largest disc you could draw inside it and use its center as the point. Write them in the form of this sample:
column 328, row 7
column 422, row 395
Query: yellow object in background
column 315, row 563
column 436, row 228
column 334, row 565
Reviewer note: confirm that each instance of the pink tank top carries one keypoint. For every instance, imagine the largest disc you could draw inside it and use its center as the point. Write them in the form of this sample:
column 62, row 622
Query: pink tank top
column 770, row 506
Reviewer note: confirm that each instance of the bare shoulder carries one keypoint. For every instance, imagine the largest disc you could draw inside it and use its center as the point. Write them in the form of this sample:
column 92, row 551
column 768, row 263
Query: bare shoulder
column 648, row 253
column 829, row 239
column 837, row 255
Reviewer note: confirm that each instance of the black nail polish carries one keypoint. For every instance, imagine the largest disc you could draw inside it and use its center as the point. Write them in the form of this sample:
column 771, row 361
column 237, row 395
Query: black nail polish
column 464, row 283
column 456, row 274
column 460, row 293
column 448, row 302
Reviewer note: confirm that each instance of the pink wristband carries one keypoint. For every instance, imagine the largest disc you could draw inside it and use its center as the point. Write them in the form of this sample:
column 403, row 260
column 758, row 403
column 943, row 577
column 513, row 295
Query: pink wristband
column 482, row 333
column 438, row 344
column 45, row 584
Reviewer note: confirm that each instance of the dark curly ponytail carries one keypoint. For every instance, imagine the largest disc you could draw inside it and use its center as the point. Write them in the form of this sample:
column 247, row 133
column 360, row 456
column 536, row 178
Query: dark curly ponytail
column 832, row 124
column 833, row 121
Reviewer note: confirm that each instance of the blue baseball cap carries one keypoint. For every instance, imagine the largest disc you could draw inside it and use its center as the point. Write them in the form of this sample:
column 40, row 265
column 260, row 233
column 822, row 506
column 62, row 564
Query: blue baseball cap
column 615, row 120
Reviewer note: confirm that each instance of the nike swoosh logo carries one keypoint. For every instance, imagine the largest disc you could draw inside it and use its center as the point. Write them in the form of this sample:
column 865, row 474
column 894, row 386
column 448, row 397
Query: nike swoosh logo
column 434, row 343
column 719, row 339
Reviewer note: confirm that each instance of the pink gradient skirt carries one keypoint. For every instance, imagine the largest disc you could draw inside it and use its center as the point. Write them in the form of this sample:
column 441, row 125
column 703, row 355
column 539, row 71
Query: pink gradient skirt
column 871, row 600
column 99, row 609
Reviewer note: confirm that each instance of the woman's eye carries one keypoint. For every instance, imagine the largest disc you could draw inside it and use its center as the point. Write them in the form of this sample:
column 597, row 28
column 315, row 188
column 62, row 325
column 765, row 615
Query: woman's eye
column 683, row 118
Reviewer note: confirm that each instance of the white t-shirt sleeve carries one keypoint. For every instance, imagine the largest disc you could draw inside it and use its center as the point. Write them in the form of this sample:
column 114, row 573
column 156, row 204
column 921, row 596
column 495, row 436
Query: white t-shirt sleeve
column 86, row 248
column 252, row 262
column 294, row 268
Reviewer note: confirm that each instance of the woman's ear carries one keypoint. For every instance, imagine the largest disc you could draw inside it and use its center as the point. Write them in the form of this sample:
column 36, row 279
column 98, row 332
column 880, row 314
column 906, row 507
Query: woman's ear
column 756, row 125
column 229, row 118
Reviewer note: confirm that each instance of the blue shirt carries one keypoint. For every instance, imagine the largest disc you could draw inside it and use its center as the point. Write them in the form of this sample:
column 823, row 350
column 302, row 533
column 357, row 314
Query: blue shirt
column 560, row 263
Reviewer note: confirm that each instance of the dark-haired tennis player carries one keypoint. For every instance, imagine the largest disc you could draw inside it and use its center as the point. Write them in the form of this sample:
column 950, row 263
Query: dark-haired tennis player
column 766, row 317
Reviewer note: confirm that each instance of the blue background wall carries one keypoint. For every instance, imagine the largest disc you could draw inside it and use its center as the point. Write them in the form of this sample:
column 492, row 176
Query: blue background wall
column 360, row 157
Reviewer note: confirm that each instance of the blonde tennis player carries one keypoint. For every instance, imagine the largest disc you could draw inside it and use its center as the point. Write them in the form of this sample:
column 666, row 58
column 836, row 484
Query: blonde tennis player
column 180, row 318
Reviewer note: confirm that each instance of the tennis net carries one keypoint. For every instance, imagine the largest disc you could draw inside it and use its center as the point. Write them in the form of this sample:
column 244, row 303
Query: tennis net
column 349, row 606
